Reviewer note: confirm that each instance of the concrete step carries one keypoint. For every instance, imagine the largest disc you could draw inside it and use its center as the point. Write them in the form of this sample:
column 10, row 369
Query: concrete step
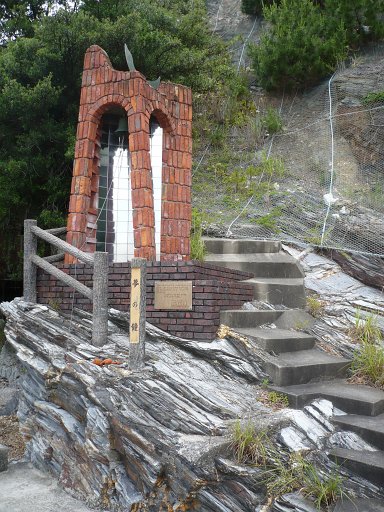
column 283, row 318
column 279, row 340
column 351, row 398
column 242, row 246
column 261, row 265
column 289, row 292
column 300, row 367
column 369, row 428
column 368, row 464
column 359, row 505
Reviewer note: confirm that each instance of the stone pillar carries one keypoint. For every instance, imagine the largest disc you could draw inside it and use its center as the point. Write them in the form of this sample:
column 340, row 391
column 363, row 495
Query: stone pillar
column 100, row 299
column 30, row 247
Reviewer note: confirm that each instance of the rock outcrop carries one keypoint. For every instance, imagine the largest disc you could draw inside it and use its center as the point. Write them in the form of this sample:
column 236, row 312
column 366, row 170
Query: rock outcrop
column 159, row 439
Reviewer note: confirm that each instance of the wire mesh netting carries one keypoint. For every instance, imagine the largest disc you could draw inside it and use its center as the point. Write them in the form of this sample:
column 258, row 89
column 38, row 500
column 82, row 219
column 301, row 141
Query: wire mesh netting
column 317, row 181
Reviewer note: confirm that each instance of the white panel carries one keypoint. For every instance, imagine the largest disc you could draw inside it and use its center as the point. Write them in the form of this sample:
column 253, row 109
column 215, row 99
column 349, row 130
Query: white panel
column 156, row 149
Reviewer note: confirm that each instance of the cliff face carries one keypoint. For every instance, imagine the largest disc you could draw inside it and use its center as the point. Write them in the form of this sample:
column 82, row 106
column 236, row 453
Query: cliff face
column 121, row 440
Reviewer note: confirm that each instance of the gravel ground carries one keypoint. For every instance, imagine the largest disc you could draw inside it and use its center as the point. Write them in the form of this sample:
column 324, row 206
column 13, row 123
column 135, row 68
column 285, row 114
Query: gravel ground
column 10, row 436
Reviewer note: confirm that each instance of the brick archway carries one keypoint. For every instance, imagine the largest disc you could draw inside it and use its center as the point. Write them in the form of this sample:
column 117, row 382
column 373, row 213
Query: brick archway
column 103, row 86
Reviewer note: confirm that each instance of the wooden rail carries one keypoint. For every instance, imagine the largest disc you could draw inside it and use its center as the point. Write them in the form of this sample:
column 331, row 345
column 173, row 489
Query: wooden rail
column 99, row 261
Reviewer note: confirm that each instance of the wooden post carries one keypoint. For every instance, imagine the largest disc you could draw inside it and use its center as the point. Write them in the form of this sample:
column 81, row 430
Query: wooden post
column 137, row 313
column 100, row 299
column 30, row 247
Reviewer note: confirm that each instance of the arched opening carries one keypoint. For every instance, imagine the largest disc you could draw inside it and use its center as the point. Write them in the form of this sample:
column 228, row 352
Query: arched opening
column 156, row 152
column 114, row 200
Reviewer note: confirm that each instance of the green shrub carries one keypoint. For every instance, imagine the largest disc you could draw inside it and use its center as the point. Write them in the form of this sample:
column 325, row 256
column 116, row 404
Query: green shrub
column 373, row 97
column 362, row 19
column 299, row 48
column 272, row 121
column 269, row 221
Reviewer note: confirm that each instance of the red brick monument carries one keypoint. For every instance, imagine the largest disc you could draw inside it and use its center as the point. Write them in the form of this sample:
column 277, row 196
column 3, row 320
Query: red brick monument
column 131, row 186
column 131, row 198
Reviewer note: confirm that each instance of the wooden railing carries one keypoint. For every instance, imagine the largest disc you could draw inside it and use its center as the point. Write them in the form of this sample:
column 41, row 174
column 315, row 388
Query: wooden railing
column 98, row 260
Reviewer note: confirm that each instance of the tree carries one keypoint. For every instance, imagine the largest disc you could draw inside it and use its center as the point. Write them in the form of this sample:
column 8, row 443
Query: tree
column 41, row 59
column 255, row 7
column 362, row 19
column 300, row 46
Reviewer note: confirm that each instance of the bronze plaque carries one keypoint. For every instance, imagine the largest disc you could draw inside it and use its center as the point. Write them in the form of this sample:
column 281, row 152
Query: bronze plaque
column 173, row 295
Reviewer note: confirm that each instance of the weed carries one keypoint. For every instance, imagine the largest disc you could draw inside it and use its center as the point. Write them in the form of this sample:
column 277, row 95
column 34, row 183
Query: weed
column 374, row 97
column 324, row 490
column 365, row 329
column 54, row 304
column 285, row 473
column 274, row 399
column 236, row 181
column 315, row 307
column 300, row 474
column 272, row 121
column 217, row 136
column 325, row 178
column 253, row 132
column 374, row 196
column 269, row 221
column 301, row 325
column 248, row 445
column 264, row 383
column 198, row 250
column 368, row 364
column 272, row 166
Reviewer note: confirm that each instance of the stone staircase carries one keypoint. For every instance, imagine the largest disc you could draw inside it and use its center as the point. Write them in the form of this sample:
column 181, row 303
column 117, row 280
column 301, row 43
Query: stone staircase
column 296, row 367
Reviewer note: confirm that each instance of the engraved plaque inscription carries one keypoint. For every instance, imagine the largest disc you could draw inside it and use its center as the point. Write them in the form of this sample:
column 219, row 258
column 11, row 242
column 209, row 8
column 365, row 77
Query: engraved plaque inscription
column 173, row 295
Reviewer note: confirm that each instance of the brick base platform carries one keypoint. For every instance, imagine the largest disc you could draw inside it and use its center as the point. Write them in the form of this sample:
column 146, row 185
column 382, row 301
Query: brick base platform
column 213, row 289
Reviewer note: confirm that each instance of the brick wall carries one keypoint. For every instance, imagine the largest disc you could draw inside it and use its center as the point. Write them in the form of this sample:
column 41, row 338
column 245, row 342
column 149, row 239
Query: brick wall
column 214, row 288
column 102, row 88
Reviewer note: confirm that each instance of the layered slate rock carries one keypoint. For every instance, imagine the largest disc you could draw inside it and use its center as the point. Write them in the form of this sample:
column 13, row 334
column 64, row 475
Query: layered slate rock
column 159, row 439
column 118, row 439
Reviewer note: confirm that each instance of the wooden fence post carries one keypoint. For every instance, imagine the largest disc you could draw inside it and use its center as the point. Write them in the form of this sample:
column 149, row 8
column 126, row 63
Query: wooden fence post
column 30, row 247
column 100, row 299
column 137, row 313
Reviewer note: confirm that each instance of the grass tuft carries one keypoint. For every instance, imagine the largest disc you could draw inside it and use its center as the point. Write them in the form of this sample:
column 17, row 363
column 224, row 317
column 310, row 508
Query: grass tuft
column 198, row 250
column 368, row 360
column 315, row 307
column 365, row 330
column 249, row 446
column 285, row 473
column 368, row 365
column 274, row 399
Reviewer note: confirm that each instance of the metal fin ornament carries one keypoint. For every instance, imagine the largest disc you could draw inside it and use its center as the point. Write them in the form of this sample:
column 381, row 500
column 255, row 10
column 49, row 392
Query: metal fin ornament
column 131, row 66
column 129, row 58
column 154, row 83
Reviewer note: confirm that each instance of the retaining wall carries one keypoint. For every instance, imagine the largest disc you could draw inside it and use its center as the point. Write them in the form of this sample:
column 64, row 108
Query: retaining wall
column 214, row 288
